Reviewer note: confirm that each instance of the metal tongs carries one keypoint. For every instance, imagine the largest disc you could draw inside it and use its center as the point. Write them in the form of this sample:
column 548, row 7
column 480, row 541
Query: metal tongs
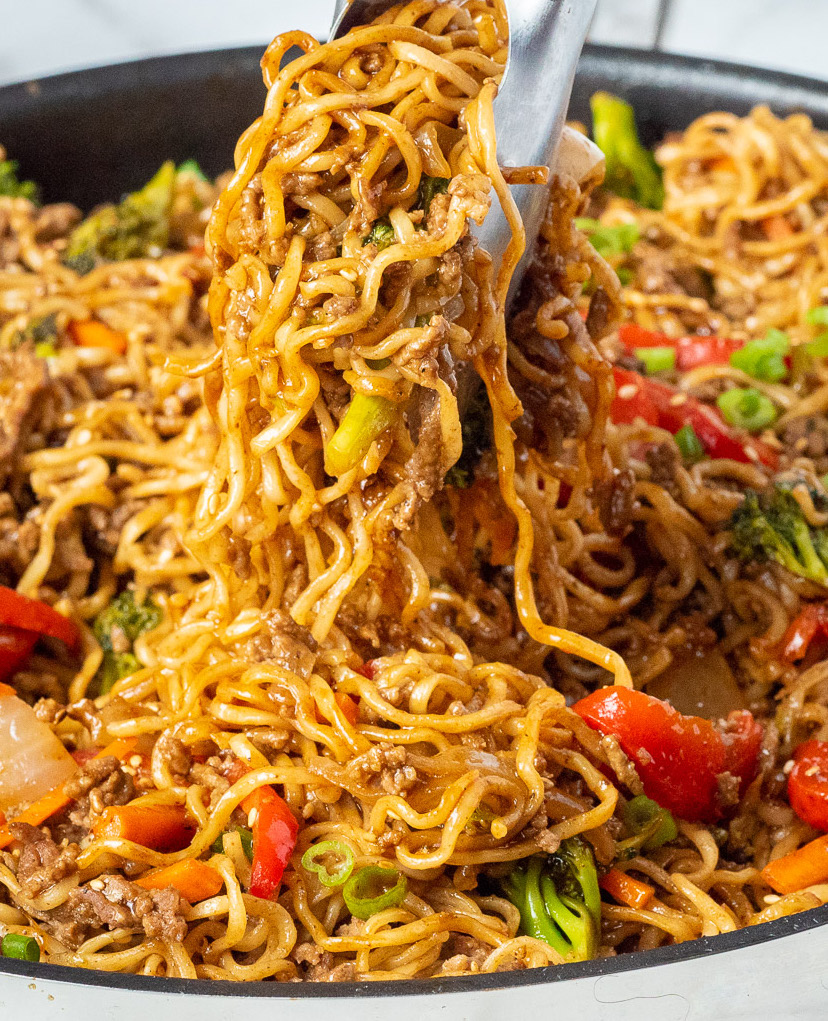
column 545, row 41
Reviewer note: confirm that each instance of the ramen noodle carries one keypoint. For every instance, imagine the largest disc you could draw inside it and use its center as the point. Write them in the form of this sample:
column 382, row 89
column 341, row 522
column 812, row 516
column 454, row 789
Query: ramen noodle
column 335, row 602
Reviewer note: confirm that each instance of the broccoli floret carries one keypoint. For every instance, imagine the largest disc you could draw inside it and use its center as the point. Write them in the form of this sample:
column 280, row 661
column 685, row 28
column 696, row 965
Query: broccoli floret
column 558, row 899
column 477, row 438
column 12, row 187
column 132, row 229
column 131, row 620
column 382, row 235
column 632, row 171
column 773, row 527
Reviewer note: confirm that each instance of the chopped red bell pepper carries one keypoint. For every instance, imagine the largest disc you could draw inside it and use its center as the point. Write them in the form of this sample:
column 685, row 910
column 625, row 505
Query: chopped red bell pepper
column 20, row 611
column 810, row 625
column 668, row 408
column 691, row 352
column 678, row 758
column 15, row 648
column 808, row 784
column 274, row 838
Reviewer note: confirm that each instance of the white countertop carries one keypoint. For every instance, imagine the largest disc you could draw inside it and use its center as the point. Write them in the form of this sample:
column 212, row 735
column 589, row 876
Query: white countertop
column 40, row 37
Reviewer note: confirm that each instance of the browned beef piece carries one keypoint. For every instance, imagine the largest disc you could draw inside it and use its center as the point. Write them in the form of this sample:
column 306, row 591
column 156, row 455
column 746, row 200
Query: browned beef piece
column 41, row 863
column 101, row 783
column 281, row 640
column 22, row 377
column 112, row 902
column 664, row 461
column 808, row 437
column 615, row 501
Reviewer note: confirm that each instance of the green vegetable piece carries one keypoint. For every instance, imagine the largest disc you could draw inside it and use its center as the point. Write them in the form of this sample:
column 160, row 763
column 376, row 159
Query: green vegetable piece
column 192, row 167
column 130, row 230
column 818, row 347
column 42, row 332
column 12, row 187
column 609, row 241
column 366, row 419
column 382, row 235
column 747, row 408
column 764, row 358
column 818, row 316
column 340, row 874
column 625, row 276
column 645, row 817
column 824, row 481
column 689, row 444
column 114, row 667
column 632, row 171
column 246, row 837
column 428, row 188
column 559, row 900
column 19, row 947
column 656, row 359
column 374, row 889
column 773, row 527
column 476, row 428
column 132, row 620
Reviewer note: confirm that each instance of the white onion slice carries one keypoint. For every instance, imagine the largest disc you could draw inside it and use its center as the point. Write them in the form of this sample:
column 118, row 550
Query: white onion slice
column 578, row 155
column 32, row 760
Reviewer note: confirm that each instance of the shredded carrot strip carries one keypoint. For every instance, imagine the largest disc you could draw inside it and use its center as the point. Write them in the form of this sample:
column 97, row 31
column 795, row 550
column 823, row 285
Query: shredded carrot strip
column 626, row 889
column 194, row 880
column 803, row 867
column 55, row 801
column 93, row 333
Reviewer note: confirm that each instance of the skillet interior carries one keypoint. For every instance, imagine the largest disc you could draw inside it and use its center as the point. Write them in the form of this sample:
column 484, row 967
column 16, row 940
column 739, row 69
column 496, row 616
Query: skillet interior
column 88, row 136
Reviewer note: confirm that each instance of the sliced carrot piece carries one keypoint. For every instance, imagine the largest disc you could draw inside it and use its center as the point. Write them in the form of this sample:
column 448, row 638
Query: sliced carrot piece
column 194, row 880
column 161, row 827
column 94, row 333
column 804, row 867
column 626, row 889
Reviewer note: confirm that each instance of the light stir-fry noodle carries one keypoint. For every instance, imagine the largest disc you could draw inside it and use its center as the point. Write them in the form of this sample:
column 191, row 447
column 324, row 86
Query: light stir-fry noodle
column 341, row 615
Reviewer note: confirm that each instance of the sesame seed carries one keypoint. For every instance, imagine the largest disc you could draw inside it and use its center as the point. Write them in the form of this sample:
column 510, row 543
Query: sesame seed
column 751, row 453
column 789, row 765
column 627, row 391
column 771, row 898
column 135, row 761
column 678, row 399
column 252, row 817
column 812, row 770
column 97, row 884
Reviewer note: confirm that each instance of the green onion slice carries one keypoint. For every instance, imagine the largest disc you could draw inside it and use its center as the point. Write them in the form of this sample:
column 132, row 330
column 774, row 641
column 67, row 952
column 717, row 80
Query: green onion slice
column 747, row 408
column 246, row 837
column 374, row 889
column 366, row 419
column 341, row 874
column 764, row 358
column 656, row 359
column 689, row 444
column 19, row 947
